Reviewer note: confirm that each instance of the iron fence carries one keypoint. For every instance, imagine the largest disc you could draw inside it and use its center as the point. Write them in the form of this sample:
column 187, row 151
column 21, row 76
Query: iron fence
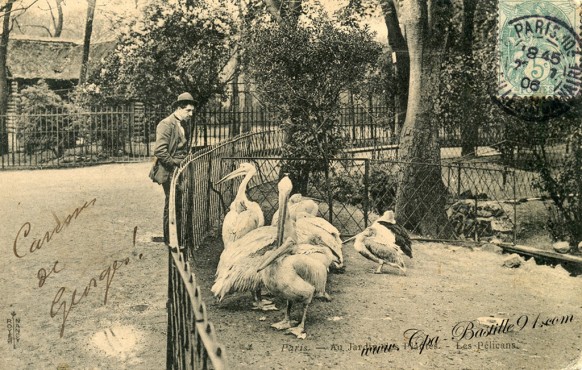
column 59, row 138
column 194, row 209
column 191, row 338
column 73, row 137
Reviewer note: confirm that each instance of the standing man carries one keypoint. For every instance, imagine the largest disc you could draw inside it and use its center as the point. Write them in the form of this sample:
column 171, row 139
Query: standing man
column 172, row 146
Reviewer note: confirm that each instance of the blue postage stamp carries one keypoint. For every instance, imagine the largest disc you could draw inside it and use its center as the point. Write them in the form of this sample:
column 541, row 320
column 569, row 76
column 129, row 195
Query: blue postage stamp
column 539, row 48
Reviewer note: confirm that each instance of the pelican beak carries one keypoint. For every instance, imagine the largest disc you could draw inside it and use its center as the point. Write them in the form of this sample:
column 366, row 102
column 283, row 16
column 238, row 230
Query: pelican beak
column 232, row 175
column 282, row 216
column 286, row 246
column 285, row 188
column 349, row 239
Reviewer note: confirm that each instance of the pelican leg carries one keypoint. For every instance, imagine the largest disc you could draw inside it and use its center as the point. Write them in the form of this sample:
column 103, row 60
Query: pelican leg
column 286, row 323
column 379, row 269
column 299, row 330
column 262, row 304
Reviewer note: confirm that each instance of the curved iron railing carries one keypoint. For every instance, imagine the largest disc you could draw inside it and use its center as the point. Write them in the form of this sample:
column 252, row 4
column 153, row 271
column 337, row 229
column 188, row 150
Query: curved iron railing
column 192, row 342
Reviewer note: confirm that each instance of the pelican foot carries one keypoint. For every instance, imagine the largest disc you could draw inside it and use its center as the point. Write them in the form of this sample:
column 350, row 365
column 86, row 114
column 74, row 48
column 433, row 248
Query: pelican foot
column 298, row 331
column 265, row 305
column 263, row 301
column 282, row 325
column 338, row 270
column 324, row 297
column 379, row 269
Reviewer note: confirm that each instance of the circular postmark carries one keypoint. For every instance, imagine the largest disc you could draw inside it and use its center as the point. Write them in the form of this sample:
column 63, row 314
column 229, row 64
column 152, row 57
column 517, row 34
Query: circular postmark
column 540, row 71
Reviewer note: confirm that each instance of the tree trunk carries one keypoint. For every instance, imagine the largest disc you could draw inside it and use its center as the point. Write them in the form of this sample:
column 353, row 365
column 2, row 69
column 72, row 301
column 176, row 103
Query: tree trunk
column 4, row 85
column 402, row 68
column 59, row 22
column 421, row 195
column 470, row 127
column 235, row 102
column 87, row 41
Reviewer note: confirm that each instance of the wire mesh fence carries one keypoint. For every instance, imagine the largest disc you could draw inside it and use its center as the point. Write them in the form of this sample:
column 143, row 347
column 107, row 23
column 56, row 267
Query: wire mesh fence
column 352, row 193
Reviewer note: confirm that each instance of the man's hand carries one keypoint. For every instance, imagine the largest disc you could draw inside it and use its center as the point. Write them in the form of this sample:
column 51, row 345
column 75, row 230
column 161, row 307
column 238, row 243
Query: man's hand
column 178, row 159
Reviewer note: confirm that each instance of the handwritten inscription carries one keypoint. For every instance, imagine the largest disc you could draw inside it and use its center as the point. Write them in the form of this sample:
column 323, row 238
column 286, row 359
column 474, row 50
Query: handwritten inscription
column 36, row 244
column 66, row 305
column 66, row 298
column 42, row 274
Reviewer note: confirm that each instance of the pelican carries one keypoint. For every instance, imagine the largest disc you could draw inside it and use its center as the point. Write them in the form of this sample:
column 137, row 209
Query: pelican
column 294, row 272
column 308, row 225
column 384, row 242
column 237, row 268
column 243, row 215
column 299, row 204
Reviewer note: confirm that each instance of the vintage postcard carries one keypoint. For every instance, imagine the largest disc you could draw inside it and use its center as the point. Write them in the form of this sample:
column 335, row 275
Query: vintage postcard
column 283, row 184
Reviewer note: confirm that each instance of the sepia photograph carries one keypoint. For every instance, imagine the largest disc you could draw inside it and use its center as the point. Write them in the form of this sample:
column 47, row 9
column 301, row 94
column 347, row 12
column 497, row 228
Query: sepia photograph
column 291, row 184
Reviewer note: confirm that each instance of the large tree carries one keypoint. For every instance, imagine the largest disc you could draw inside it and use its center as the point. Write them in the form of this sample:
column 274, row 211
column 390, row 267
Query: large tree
column 53, row 29
column 421, row 195
column 87, row 40
column 401, row 61
column 6, row 11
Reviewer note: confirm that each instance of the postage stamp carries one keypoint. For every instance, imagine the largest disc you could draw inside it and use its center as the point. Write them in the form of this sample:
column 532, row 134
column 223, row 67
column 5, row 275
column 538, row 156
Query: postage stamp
column 539, row 49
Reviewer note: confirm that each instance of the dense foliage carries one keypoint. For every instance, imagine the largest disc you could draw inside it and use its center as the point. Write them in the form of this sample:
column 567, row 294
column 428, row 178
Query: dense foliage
column 41, row 128
column 173, row 48
column 300, row 70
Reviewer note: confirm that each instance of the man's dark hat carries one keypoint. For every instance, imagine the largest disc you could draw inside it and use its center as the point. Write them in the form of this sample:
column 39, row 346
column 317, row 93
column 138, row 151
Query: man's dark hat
column 184, row 98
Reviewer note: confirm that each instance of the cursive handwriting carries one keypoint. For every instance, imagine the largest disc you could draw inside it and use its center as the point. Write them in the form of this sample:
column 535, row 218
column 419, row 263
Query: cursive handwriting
column 42, row 275
column 66, row 305
column 38, row 243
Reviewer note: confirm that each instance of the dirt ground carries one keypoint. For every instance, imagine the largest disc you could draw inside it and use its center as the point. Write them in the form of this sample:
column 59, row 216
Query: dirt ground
column 445, row 291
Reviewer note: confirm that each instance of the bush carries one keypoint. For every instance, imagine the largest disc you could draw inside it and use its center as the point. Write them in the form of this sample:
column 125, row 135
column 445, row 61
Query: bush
column 383, row 186
column 46, row 121
column 301, row 70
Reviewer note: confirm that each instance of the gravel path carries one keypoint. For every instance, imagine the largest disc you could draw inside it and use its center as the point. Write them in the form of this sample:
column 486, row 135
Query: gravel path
column 444, row 286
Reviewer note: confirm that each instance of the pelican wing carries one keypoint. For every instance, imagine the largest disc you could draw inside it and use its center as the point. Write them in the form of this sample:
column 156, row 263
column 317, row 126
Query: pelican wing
column 306, row 228
column 401, row 236
column 238, row 224
column 319, row 253
column 310, row 270
column 387, row 251
column 237, row 268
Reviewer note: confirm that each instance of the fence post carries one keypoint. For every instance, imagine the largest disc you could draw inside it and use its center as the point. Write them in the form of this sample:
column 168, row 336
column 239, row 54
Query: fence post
column 514, row 208
column 366, row 190
column 476, row 236
column 458, row 179
column 137, row 127
column 170, row 330
column 329, row 195
column 208, row 191
column 11, row 120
